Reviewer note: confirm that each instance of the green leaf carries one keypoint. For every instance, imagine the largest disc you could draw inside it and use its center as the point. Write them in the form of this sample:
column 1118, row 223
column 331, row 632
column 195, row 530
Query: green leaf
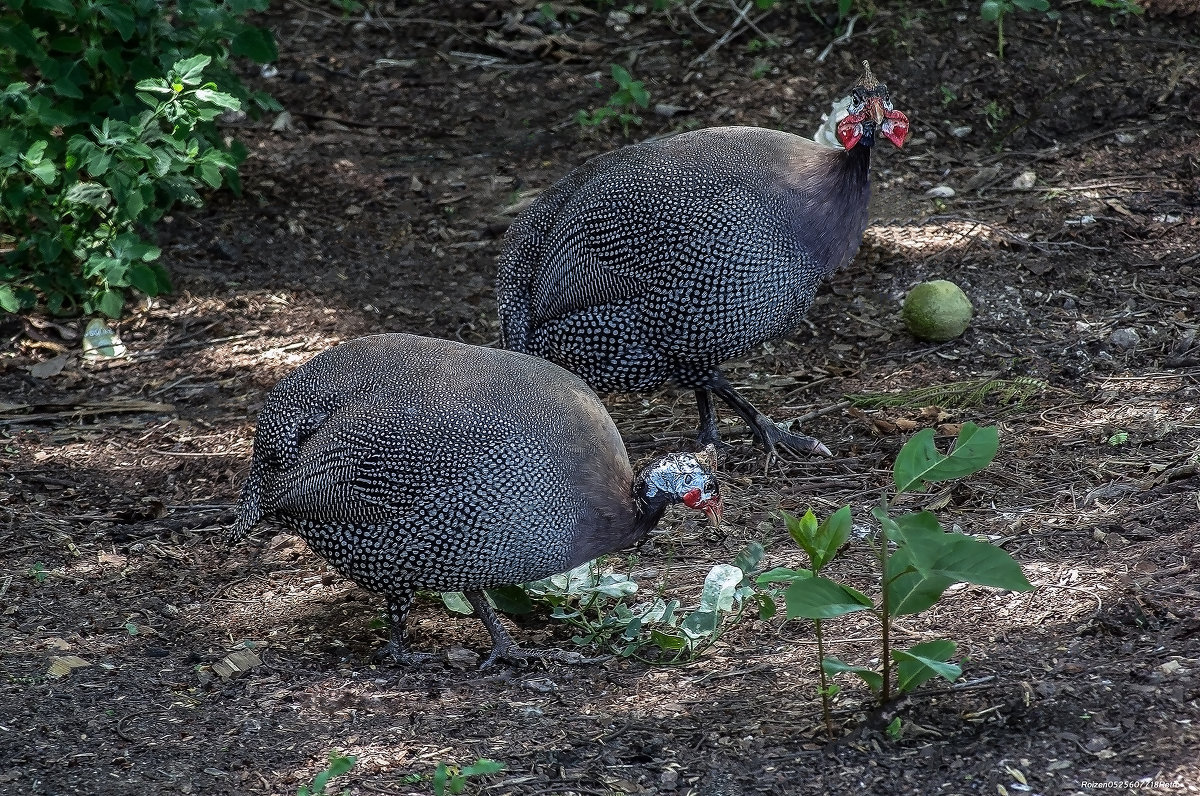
column 820, row 542
column 872, row 678
column 456, row 602
column 923, row 661
column 65, row 86
column 50, row 248
column 782, row 575
column 111, row 302
column 440, row 775
column 668, row 642
column 720, row 586
column 66, row 44
column 256, row 44
column 802, row 529
column 45, row 171
column 190, row 70
column 143, row 278
column 155, row 85
column 218, row 98
column 510, row 599
column 919, row 461
column 700, row 624
column 35, row 153
column 164, row 280
column 210, row 174
column 120, row 16
column 133, row 205
column 923, row 536
column 8, row 299
column 64, row 7
column 638, row 93
column 909, row 591
column 976, row 561
column 961, row 558
column 821, row 598
column 766, row 606
column 92, row 194
column 621, row 75
column 482, row 766
column 990, row 10
column 750, row 557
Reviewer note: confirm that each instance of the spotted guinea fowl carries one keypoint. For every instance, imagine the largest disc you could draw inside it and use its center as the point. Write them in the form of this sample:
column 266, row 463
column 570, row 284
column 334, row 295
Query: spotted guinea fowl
column 658, row 262
column 413, row 463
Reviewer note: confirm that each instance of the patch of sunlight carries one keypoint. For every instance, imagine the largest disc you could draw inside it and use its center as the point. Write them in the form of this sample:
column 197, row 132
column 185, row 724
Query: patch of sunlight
column 931, row 235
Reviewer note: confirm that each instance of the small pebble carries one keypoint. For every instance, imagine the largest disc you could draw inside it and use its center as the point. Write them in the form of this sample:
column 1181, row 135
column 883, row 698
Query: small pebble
column 1025, row 180
column 940, row 192
column 1124, row 339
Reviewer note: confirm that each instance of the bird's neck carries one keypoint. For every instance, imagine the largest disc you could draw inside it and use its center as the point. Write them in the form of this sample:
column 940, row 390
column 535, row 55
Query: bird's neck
column 647, row 514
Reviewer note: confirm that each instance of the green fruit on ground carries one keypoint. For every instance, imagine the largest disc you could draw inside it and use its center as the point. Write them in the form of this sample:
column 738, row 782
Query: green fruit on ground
column 936, row 311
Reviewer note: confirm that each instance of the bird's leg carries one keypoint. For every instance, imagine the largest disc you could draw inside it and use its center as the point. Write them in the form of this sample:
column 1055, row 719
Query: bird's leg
column 398, row 603
column 708, row 434
column 504, row 648
column 767, row 432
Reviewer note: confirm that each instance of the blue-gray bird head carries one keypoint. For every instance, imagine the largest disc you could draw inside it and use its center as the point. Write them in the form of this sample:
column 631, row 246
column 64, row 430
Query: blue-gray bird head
column 681, row 478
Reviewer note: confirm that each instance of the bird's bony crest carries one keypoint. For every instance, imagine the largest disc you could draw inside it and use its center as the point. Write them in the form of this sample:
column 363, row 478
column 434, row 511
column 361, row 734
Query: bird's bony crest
column 869, row 113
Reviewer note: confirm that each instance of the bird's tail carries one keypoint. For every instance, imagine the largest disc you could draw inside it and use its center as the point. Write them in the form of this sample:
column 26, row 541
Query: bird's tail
column 250, row 509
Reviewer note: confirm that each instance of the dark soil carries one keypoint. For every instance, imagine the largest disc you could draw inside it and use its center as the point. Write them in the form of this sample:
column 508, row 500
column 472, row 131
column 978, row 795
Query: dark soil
column 380, row 204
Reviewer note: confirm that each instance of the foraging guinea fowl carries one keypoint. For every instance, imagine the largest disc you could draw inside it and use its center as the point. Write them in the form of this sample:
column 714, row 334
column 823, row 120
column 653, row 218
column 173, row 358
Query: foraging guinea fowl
column 413, row 463
column 660, row 261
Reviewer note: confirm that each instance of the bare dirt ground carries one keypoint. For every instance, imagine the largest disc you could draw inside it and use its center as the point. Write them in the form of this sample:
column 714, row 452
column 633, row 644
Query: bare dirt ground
column 380, row 205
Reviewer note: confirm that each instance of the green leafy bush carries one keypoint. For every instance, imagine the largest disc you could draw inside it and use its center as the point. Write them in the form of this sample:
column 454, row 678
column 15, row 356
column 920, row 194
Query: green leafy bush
column 917, row 561
column 107, row 119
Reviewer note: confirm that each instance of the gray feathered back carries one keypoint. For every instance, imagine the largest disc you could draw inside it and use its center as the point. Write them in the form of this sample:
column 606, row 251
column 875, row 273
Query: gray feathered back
column 411, row 461
column 679, row 253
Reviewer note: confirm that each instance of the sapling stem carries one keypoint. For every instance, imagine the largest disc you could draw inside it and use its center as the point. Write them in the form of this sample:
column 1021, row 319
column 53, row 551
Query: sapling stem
column 826, row 710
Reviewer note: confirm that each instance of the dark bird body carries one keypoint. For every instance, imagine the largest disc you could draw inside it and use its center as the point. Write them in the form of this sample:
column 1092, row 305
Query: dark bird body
column 412, row 463
column 658, row 262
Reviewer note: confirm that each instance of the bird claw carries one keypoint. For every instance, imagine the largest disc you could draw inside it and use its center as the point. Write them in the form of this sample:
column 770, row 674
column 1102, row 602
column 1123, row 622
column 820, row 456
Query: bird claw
column 522, row 657
column 774, row 435
column 400, row 656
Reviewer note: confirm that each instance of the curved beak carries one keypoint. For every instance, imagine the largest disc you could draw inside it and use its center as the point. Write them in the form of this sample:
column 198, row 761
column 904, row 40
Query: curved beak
column 713, row 509
column 875, row 110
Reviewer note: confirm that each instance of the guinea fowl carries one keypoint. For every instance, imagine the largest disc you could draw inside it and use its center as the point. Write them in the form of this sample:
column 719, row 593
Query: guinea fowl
column 658, row 262
column 413, row 463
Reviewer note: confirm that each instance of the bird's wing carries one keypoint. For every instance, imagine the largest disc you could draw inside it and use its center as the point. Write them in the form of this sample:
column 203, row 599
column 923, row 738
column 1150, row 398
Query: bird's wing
column 368, row 464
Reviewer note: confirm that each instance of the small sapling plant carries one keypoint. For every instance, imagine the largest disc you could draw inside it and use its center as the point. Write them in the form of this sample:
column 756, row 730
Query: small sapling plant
column 338, row 764
column 452, row 779
column 996, row 10
column 916, row 559
column 622, row 106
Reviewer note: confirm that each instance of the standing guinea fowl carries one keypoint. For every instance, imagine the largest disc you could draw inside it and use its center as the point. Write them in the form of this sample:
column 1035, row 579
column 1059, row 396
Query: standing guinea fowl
column 660, row 261
column 413, row 463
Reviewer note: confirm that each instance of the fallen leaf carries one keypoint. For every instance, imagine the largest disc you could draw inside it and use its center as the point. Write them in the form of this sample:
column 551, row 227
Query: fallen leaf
column 61, row 666
column 49, row 367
